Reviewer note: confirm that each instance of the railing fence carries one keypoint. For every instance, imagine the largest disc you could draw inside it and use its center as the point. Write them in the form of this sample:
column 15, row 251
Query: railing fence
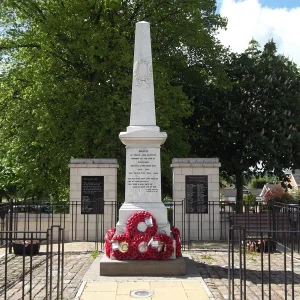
column 263, row 247
column 36, row 268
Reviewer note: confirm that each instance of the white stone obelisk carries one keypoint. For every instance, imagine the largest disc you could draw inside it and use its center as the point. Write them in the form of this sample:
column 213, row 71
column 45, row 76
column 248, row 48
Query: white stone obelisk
column 143, row 140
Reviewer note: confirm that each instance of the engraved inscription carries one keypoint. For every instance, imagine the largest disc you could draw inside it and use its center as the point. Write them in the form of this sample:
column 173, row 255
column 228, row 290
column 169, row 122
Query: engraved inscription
column 196, row 189
column 143, row 72
column 143, row 173
column 92, row 191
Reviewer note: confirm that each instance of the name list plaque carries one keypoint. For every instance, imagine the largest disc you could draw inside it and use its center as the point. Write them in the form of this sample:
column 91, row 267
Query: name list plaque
column 143, row 174
column 196, row 190
column 92, row 194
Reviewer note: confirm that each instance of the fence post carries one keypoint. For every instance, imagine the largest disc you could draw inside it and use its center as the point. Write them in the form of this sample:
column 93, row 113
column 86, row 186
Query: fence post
column 229, row 262
column 11, row 206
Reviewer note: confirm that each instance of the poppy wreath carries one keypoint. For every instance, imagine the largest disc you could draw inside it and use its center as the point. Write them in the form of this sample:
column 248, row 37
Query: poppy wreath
column 176, row 234
column 108, row 236
column 168, row 249
column 139, row 217
column 119, row 255
column 136, row 243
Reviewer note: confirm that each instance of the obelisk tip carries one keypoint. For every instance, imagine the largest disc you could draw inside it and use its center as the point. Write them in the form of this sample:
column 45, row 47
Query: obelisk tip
column 142, row 99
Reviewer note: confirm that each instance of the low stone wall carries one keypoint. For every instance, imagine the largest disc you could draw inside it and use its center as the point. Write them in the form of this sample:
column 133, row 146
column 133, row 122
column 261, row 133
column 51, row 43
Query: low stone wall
column 195, row 225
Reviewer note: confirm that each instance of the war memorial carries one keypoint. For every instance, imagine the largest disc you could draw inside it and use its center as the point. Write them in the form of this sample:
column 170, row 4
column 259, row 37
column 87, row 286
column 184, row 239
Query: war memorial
column 139, row 238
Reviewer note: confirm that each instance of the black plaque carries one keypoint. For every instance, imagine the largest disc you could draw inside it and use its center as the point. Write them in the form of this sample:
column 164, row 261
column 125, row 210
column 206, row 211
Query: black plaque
column 196, row 194
column 92, row 194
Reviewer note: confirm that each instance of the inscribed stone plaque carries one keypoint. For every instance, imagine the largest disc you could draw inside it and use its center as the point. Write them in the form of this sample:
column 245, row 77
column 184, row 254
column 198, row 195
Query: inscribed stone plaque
column 143, row 174
column 92, row 194
column 196, row 194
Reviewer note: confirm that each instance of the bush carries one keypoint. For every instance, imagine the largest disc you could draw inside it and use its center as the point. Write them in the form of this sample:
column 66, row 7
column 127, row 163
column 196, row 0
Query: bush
column 249, row 199
column 278, row 194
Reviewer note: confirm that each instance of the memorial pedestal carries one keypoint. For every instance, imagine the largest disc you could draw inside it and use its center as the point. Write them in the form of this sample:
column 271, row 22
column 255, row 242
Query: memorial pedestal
column 143, row 177
column 110, row 267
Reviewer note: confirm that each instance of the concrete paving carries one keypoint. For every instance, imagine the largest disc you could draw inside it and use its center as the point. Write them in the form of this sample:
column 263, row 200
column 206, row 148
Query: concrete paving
column 190, row 286
column 207, row 276
column 159, row 290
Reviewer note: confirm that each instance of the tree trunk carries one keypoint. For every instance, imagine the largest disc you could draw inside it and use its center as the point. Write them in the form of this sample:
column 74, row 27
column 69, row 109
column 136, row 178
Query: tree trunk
column 239, row 181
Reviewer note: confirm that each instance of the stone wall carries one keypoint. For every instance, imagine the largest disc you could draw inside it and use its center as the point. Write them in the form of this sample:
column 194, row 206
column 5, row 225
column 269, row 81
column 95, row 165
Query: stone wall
column 198, row 226
column 89, row 224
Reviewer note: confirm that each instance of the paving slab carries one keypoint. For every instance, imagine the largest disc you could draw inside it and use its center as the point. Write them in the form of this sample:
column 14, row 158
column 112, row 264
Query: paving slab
column 184, row 287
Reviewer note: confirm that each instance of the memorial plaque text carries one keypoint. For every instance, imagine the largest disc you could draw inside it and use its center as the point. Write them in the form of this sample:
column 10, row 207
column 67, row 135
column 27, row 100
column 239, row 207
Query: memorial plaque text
column 196, row 190
column 92, row 194
column 142, row 174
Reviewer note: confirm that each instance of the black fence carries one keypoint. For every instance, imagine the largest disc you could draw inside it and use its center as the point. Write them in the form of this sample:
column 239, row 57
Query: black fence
column 32, row 264
column 275, row 216
column 263, row 264
column 78, row 225
column 209, row 222
column 206, row 222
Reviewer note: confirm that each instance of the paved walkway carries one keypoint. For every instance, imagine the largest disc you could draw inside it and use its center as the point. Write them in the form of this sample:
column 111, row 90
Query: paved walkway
column 159, row 290
column 213, row 268
column 206, row 279
column 191, row 286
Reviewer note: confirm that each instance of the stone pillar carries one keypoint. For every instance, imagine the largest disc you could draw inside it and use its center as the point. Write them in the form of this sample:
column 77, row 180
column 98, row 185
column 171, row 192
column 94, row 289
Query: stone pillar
column 143, row 140
column 196, row 182
column 93, row 193
column 143, row 181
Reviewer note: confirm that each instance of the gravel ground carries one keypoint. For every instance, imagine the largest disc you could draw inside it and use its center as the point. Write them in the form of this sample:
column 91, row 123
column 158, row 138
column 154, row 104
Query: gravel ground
column 213, row 267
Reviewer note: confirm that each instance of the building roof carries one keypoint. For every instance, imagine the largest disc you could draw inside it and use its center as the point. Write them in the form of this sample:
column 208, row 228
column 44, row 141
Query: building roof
column 295, row 174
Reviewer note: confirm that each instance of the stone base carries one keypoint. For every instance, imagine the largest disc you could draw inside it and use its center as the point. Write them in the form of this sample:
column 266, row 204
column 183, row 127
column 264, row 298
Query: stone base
column 157, row 209
column 110, row 267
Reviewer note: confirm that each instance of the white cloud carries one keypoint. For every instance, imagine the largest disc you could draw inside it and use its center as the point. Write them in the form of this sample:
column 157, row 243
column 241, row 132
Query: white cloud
column 248, row 19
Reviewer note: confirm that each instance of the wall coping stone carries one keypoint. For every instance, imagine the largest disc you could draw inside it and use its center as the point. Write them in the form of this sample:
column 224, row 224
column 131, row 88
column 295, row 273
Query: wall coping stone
column 196, row 162
column 93, row 163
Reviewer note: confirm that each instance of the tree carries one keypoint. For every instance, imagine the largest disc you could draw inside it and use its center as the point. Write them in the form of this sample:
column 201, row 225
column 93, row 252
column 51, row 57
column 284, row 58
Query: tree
column 278, row 194
column 252, row 125
column 258, row 183
column 249, row 199
column 66, row 76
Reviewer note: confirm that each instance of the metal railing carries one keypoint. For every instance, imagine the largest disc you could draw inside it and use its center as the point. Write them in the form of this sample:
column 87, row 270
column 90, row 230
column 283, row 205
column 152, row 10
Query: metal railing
column 79, row 224
column 264, row 245
column 204, row 222
column 32, row 264
column 208, row 222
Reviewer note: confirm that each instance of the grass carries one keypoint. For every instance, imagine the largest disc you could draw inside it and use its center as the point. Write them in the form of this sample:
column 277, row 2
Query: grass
column 206, row 256
column 95, row 254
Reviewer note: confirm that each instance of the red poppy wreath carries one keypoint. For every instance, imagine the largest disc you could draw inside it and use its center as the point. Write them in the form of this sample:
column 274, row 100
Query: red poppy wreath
column 108, row 236
column 121, row 247
column 140, row 244
column 176, row 234
column 141, row 222
column 161, row 247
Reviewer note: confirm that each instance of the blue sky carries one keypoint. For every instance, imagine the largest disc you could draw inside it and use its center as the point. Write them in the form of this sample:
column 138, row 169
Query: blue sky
column 275, row 3
column 280, row 3
column 262, row 20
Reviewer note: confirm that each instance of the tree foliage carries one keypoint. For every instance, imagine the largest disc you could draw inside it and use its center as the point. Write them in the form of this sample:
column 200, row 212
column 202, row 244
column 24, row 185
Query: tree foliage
column 249, row 199
column 258, row 183
column 252, row 125
column 278, row 194
column 66, row 77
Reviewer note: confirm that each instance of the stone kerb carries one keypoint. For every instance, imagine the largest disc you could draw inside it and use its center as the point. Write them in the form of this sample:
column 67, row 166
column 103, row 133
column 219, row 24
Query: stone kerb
column 106, row 168
column 200, row 226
